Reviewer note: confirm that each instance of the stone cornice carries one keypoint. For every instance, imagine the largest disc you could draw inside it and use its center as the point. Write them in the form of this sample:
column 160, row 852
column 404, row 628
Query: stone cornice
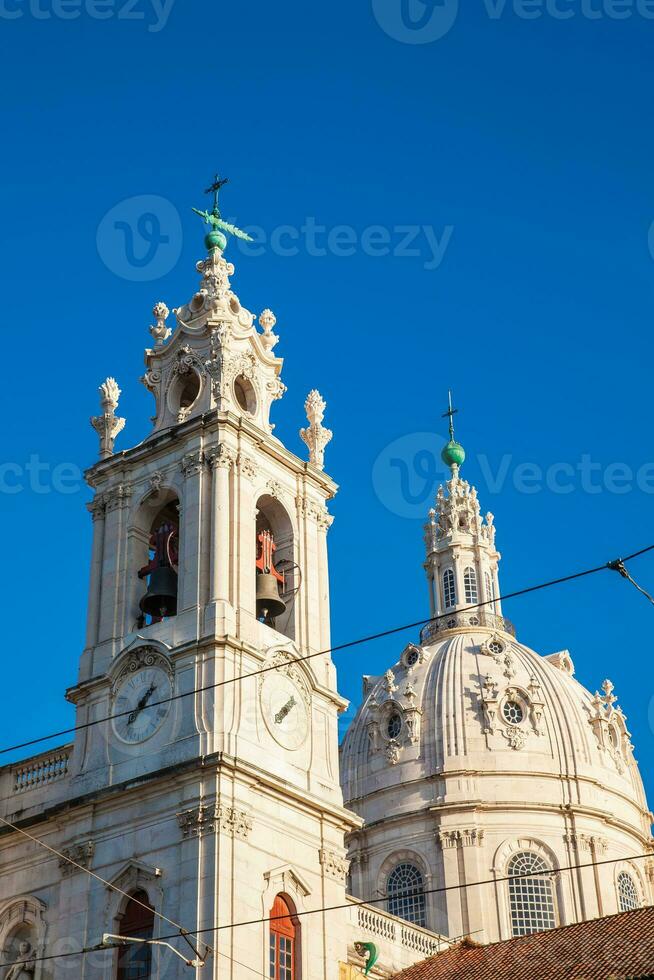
column 213, row 423
column 258, row 778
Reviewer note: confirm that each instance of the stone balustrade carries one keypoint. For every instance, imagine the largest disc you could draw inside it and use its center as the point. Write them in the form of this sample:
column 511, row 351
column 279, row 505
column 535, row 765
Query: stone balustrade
column 41, row 770
column 460, row 619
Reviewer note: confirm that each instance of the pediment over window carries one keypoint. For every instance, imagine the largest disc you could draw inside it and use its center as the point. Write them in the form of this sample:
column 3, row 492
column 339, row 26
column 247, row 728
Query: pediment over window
column 287, row 880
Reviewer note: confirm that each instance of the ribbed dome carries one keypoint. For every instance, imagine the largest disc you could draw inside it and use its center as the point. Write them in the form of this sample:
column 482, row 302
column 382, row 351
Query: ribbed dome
column 474, row 748
column 477, row 700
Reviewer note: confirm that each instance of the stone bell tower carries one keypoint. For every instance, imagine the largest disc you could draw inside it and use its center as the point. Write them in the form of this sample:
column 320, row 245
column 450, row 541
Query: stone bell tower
column 197, row 676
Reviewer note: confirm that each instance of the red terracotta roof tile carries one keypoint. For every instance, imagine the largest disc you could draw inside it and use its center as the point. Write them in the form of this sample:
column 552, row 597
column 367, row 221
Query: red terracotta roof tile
column 618, row 947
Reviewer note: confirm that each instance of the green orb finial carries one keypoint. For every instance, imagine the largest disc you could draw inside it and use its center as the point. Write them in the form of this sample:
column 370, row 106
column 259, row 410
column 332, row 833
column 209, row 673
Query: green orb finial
column 453, row 455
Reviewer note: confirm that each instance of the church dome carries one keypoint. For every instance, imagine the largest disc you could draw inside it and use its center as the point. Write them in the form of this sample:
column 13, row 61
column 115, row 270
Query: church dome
column 473, row 752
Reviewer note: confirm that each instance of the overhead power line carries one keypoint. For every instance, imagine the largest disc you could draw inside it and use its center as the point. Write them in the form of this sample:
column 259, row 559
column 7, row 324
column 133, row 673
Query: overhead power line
column 306, row 912
column 614, row 565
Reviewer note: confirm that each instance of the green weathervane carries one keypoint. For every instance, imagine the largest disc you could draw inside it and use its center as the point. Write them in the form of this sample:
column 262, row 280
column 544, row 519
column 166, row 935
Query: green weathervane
column 453, row 454
column 216, row 239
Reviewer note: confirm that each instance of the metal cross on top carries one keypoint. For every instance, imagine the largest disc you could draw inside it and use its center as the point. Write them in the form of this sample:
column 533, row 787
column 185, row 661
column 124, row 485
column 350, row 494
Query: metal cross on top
column 450, row 413
column 216, row 187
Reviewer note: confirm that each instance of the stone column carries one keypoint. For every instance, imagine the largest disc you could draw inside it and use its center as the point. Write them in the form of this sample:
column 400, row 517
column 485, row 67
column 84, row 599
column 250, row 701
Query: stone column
column 324, row 522
column 221, row 460
column 244, row 597
column 191, row 521
column 97, row 510
column 113, row 562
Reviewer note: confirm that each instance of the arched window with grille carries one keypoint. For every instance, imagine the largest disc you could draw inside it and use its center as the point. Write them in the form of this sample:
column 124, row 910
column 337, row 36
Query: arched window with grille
column 137, row 922
column 284, row 941
column 406, row 893
column 449, row 589
column 470, row 585
column 531, row 899
column 627, row 893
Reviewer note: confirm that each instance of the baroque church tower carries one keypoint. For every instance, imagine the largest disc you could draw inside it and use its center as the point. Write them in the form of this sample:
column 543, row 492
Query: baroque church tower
column 475, row 759
column 203, row 780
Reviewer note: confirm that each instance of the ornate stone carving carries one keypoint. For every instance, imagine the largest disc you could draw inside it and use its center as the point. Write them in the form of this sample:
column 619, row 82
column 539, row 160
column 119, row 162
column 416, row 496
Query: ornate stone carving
column 389, row 682
column 139, row 658
column 247, row 466
column 25, row 964
column 393, row 751
column 285, row 664
column 515, row 736
column 118, row 496
column 468, row 837
column 267, row 320
column 489, row 698
column 274, row 489
column 221, row 457
column 80, row 854
column 108, row 425
column 587, row 842
column 193, row 463
column 160, row 331
column 334, row 865
column 213, row 817
column 97, row 506
column 562, row 661
column 316, row 436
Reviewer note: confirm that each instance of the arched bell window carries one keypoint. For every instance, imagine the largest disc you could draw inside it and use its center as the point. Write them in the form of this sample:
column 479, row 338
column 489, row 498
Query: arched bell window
column 137, row 922
column 284, row 941
column 161, row 570
column 470, row 586
column 449, row 589
column 278, row 577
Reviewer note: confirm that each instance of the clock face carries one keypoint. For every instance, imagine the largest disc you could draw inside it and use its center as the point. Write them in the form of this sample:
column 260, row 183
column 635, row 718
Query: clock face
column 135, row 703
column 284, row 710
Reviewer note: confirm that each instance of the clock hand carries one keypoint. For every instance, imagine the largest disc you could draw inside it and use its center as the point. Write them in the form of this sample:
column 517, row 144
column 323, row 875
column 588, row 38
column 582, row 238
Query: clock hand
column 281, row 714
column 133, row 715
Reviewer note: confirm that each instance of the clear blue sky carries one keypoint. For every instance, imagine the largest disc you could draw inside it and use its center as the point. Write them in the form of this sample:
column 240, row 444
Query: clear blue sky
column 523, row 145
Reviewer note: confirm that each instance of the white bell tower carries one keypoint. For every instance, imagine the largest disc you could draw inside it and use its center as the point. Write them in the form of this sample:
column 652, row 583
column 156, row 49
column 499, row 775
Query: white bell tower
column 208, row 697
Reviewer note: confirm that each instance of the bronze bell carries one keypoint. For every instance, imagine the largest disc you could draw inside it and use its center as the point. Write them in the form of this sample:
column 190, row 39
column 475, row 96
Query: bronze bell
column 161, row 598
column 270, row 605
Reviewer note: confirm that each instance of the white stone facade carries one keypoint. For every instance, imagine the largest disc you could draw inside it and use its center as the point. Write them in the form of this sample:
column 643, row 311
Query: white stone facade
column 215, row 810
column 472, row 749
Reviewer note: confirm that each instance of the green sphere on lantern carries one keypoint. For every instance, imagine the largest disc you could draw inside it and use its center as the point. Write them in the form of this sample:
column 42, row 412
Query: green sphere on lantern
column 453, row 454
column 215, row 239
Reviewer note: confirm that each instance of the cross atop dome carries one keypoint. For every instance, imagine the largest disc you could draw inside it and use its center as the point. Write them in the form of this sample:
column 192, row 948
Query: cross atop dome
column 453, row 454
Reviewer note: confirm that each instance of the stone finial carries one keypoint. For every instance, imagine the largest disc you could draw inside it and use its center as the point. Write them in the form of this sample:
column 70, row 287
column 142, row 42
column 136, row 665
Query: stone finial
column 160, row 331
column 316, row 436
column 267, row 321
column 108, row 425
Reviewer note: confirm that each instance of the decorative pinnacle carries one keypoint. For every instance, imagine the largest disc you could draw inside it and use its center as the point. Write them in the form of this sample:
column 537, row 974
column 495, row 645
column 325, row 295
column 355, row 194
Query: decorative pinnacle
column 453, row 454
column 216, row 238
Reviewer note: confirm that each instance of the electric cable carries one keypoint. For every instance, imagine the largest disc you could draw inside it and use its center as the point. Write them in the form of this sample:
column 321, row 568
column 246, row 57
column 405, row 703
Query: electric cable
column 305, row 912
column 334, row 649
